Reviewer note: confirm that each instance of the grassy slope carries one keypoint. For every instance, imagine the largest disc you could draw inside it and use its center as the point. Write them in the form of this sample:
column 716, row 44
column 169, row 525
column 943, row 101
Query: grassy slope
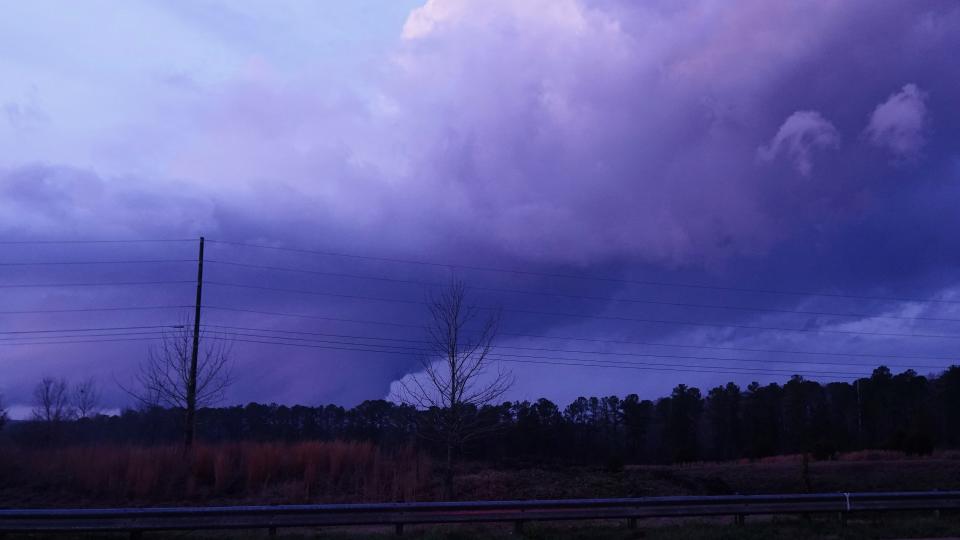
column 712, row 479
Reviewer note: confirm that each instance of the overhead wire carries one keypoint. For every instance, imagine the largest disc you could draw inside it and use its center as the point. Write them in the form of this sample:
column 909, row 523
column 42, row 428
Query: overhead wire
column 366, row 347
column 533, row 360
column 91, row 284
column 90, row 309
column 577, row 338
column 580, row 296
column 100, row 241
column 578, row 351
column 577, row 276
column 96, row 329
column 598, row 317
column 68, row 263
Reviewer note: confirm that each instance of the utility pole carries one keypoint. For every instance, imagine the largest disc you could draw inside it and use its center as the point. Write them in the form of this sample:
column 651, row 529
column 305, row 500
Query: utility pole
column 859, row 417
column 190, row 420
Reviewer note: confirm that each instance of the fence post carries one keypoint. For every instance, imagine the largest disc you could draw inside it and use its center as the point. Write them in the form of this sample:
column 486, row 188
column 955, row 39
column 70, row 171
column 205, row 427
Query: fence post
column 272, row 532
column 632, row 523
column 399, row 528
column 518, row 527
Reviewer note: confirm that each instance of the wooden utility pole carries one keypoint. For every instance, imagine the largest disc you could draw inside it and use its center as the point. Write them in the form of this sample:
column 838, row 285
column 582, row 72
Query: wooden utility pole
column 190, row 427
column 859, row 417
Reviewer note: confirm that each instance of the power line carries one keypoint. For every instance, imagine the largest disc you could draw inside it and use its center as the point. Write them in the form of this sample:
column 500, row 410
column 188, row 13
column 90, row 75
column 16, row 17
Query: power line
column 573, row 362
column 98, row 340
column 583, row 297
column 497, row 348
column 581, row 276
column 58, row 263
column 98, row 329
column 720, row 348
column 592, row 340
column 526, row 359
column 599, row 317
column 530, row 359
column 304, row 316
column 318, row 272
column 736, row 326
column 548, row 349
column 110, row 241
column 86, row 310
column 74, row 336
column 569, row 362
column 100, row 284
column 126, row 331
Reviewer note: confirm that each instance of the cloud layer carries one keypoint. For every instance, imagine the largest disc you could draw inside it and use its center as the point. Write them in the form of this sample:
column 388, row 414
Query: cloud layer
column 755, row 144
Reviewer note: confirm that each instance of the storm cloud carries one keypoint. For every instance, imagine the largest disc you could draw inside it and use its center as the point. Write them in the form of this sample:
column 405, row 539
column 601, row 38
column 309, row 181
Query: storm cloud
column 750, row 145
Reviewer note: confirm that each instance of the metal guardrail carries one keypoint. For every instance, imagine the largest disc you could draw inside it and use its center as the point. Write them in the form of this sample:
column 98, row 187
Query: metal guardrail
column 136, row 520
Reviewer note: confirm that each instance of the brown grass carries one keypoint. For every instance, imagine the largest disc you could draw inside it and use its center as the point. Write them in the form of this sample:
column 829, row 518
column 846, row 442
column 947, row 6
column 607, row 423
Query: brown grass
column 272, row 473
column 279, row 472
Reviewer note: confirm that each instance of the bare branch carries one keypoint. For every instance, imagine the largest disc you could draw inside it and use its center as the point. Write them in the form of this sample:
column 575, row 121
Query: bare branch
column 52, row 401
column 455, row 381
column 164, row 376
column 86, row 398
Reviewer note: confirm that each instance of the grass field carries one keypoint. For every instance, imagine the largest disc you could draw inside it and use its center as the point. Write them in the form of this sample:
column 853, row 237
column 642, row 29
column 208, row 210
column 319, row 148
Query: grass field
column 335, row 472
column 265, row 473
column 880, row 471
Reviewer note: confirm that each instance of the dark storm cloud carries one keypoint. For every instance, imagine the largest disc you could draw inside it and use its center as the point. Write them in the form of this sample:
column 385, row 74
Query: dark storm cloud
column 753, row 145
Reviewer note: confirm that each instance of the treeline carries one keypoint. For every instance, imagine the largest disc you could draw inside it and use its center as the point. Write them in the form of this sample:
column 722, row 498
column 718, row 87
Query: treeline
column 905, row 411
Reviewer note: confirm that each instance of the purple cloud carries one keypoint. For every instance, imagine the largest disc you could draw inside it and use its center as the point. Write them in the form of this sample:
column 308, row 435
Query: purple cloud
column 801, row 134
column 898, row 124
column 607, row 137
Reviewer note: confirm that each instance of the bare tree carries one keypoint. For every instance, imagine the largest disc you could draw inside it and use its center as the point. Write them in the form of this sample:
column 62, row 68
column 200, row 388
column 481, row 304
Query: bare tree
column 52, row 401
column 164, row 377
column 86, row 398
column 456, row 380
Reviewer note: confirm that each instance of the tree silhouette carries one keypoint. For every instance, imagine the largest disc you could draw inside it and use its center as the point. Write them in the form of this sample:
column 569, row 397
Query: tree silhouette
column 456, row 379
column 86, row 398
column 52, row 401
column 164, row 378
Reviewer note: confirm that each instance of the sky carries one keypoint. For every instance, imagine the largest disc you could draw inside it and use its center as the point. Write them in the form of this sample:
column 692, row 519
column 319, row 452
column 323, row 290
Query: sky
column 650, row 193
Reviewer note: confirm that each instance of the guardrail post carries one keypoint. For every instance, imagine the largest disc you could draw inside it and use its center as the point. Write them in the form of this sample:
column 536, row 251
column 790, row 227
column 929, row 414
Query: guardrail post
column 399, row 529
column 272, row 532
column 739, row 519
column 632, row 523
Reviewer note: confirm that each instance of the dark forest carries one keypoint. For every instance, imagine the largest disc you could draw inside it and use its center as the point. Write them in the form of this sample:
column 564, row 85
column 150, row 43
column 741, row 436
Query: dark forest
column 906, row 412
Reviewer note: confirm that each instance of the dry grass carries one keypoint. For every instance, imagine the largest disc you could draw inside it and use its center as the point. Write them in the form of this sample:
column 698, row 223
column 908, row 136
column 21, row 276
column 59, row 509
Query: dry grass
column 270, row 473
column 300, row 472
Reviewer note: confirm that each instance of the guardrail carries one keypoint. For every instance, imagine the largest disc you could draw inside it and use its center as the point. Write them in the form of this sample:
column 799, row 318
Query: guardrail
column 137, row 520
